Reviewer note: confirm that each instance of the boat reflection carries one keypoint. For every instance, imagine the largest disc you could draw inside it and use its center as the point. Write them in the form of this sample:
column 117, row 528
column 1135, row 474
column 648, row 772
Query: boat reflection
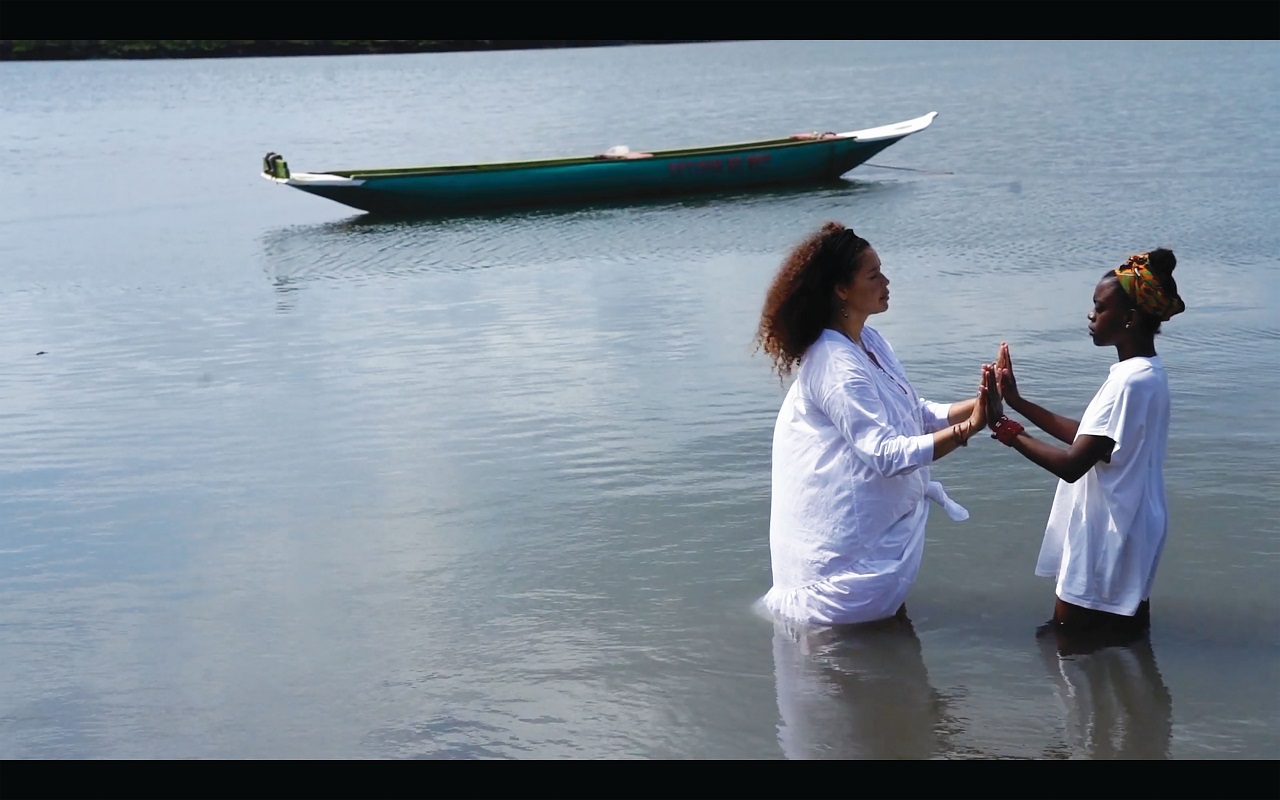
column 373, row 247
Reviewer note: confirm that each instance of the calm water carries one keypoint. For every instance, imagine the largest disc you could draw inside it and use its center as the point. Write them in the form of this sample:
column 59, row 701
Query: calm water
column 280, row 481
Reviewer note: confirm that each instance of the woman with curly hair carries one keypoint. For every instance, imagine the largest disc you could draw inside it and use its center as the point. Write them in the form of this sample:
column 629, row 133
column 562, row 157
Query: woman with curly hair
column 852, row 443
column 1109, row 520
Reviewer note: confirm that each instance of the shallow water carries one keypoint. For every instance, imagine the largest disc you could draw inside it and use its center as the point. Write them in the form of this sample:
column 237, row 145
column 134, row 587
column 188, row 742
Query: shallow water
column 284, row 481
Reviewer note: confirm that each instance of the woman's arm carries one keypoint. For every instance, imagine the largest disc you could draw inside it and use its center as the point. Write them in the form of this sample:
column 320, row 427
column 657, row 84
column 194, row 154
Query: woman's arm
column 960, row 410
column 947, row 440
column 965, row 418
column 853, row 405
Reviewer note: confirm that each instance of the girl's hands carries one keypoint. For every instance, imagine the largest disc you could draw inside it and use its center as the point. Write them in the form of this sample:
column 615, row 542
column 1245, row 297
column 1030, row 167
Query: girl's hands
column 1007, row 385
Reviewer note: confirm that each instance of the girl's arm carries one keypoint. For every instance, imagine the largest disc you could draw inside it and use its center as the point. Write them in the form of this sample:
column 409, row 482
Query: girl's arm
column 1059, row 427
column 1069, row 464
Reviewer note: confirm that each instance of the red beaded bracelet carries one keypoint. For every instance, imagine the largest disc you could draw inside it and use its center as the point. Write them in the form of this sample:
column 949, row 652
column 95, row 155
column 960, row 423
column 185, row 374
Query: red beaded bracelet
column 1006, row 430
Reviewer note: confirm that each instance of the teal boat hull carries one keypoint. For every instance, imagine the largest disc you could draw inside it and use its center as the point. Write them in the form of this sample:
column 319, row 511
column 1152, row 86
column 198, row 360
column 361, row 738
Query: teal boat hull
column 804, row 159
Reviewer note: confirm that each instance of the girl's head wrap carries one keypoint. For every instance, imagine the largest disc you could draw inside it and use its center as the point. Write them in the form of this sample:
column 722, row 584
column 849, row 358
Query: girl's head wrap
column 1146, row 290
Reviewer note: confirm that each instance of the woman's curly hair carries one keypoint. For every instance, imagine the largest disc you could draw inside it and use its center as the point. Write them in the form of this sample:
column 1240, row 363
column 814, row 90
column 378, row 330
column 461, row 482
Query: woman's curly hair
column 800, row 301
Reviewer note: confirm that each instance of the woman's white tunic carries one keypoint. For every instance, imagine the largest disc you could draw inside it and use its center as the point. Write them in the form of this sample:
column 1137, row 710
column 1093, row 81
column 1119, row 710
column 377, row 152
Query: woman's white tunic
column 851, row 452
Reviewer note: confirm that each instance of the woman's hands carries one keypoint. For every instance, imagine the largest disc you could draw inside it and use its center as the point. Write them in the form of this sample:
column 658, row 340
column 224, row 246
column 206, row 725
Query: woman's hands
column 990, row 394
column 981, row 412
column 961, row 429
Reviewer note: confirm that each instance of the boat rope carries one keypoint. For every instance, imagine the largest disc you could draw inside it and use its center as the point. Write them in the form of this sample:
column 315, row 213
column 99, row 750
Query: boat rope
column 909, row 169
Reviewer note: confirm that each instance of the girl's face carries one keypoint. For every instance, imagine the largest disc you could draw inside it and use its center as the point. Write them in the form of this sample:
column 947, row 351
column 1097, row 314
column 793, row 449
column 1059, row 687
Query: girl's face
column 1111, row 313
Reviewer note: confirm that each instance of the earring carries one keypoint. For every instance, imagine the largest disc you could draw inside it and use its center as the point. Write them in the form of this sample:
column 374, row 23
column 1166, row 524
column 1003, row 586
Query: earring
column 844, row 312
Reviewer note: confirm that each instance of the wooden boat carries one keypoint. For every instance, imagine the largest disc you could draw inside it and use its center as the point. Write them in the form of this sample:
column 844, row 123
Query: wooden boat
column 617, row 174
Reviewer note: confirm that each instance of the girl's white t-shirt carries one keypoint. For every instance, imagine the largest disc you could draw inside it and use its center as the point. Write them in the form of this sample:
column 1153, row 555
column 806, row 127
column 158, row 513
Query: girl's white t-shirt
column 1107, row 530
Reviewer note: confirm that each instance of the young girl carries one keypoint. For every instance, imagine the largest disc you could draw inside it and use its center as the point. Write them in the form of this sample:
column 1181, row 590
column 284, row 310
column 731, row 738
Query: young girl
column 1109, row 519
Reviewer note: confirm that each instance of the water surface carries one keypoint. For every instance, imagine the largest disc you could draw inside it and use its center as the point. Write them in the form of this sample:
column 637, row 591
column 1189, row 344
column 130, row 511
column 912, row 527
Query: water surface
column 283, row 481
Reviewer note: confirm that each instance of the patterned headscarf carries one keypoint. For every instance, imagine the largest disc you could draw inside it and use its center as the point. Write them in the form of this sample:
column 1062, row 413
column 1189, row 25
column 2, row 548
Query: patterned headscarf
column 1146, row 290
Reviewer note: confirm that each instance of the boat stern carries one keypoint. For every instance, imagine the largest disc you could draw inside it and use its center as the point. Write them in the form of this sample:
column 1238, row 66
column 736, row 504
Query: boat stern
column 275, row 168
column 339, row 188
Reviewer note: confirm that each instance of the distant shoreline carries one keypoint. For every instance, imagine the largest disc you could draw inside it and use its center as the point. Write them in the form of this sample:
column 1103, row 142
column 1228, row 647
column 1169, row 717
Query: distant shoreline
column 135, row 49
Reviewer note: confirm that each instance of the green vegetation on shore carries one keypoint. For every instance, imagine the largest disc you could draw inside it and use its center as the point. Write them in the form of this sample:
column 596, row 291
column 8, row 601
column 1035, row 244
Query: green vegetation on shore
column 82, row 49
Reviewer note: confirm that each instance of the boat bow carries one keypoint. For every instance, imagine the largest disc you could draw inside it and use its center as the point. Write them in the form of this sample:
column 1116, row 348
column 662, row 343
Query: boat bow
column 895, row 131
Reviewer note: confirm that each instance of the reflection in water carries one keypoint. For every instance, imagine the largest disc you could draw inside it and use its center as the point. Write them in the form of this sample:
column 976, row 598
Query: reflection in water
column 286, row 294
column 1116, row 703
column 369, row 246
column 854, row 692
column 741, row 200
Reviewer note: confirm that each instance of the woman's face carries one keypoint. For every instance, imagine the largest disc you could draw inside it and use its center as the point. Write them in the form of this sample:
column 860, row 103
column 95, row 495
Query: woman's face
column 868, row 291
column 1110, row 313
